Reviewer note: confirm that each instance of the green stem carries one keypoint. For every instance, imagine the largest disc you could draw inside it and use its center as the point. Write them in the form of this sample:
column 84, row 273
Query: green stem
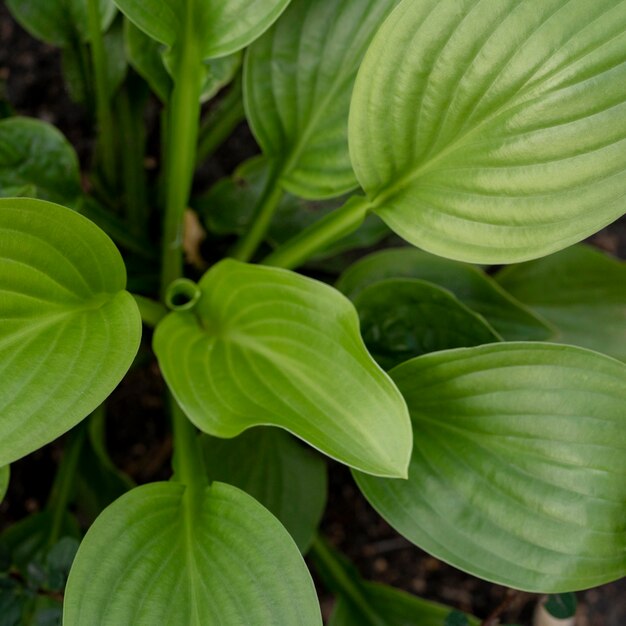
column 188, row 462
column 151, row 311
column 182, row 129
column 336, row 225
column 106, row 134
column 265, row 209
column 63, row 486
column 130, row 115
column 221, row 122
column 335, row 576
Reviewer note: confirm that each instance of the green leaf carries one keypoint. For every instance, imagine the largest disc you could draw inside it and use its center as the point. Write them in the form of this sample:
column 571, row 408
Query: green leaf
column 228, row 207
column 68, row 330
column 456, row 618
column 116, row 63
column 34, row 155
column 298, row 80
column 513, row 320
column 403, row 318
column 5, row 477
column 58, row 22
column 581, row 291
column 398, row 608
column 517, row 473
column 219, row 28
column 277, row 471
column 265, row 346
column 562, row 605
column 169, row 557
column 494, row 132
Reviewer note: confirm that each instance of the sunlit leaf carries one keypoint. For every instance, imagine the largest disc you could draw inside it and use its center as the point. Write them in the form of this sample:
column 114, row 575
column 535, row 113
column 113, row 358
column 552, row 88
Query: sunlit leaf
column 403, row 318
column 513, row 320
column 265, row 346
column 171, row 558
column 581, row 291
column 68, row 329
column 297, row 83
column 517, row 473
column 494, row 132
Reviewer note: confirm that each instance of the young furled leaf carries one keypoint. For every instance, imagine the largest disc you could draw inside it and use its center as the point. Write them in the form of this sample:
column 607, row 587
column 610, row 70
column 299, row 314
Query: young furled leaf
column 494, row 132
column 171, row 557
column 517, row 472
column 68, row 329
column 265, row 346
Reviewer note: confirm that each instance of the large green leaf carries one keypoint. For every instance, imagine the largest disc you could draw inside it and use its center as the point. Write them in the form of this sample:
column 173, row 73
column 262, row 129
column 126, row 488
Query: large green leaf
column 494, row 132
column 68, row 330
column 267, row 346
column 59, row 22
column 5, row 476
column 513, row 320
column 37, row 160
column 277, row 471
column 518, row 466
column 581, row 291
column 219, row 28
column 298, row 82
column 167, row 557
column 403, row 318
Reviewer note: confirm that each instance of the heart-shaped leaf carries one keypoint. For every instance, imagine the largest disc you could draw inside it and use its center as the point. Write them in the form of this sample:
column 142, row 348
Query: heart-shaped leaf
column 494, row 132
column 517, row 473
column 58, row 22
column 164, row 557
column 513, row 320
column 35, row 155
column 218, row 28
column 267, row 346
column 5, row 476
column 581, row 291
column 68, row 330
column 298, row 84
column 403, row 318
column 277, row 471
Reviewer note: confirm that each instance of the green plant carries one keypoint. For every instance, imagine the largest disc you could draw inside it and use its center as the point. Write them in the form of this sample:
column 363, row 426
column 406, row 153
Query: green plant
column 482, row 132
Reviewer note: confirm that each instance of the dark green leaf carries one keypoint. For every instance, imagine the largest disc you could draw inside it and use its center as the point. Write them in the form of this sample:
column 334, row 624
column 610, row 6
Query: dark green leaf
column 5, row 476
column 517, row 472
column 403, row 318
column 513, row 320
column 265, row 346
column 581, row 291
column 561, row 605
column 277, row 471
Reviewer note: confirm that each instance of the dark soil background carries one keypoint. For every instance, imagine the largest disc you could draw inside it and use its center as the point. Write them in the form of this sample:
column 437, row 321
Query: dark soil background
column 139, row 441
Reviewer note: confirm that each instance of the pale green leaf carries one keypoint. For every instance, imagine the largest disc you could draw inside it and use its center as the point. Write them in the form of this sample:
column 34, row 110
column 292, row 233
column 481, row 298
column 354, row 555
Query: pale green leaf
column 265, row 346
column 403, row 318
column 297, row 84
column 513, row 320
column 581, row 291
column 5, row 476
column 276, row 470
column 35, row 156
column 68, row 329
column 58, row 22
column 517, row 473
column 176, row 559
column 494, row 132
column 219, row 28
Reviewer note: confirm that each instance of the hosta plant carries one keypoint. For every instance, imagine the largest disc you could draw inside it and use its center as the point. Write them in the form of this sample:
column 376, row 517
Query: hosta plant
column 480, row 409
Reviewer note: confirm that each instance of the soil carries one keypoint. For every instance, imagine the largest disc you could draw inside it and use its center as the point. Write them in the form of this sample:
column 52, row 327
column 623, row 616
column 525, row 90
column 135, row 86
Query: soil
column 138, row 436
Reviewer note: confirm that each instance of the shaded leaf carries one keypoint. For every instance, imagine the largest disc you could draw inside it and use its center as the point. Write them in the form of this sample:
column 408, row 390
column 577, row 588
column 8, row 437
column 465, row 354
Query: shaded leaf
column 277, row 471
column 513, row 320
column 265, row 346
column 561, row 605
column 298, row 81
column 404, row 318
column 167, row 557
column 68, row 332
column 581, row 291
column 5, row 477
column 518, row 464
column 494, row 132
